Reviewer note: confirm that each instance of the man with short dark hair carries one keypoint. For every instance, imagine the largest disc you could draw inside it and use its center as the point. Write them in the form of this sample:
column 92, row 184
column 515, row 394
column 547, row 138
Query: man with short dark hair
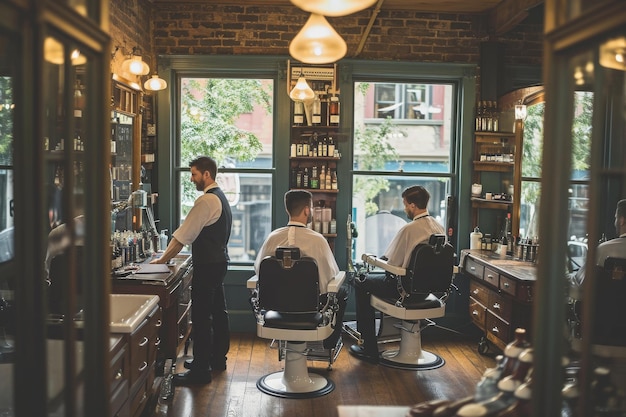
column 207, row 228
column 398, row 253
column 299, row 204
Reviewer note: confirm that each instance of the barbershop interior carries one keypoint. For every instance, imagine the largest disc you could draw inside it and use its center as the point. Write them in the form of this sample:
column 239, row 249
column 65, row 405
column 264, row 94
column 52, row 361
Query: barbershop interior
column 508, row 115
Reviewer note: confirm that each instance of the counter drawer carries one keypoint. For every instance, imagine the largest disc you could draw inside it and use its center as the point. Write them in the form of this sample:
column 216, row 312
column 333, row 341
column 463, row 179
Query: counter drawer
column 492, row 277
column 498, row 330
column 474, row 268
column 119, row 405
column 508, row 285
column 119, row 369
column 477, row 312
column 501, row 304
column 479, row 292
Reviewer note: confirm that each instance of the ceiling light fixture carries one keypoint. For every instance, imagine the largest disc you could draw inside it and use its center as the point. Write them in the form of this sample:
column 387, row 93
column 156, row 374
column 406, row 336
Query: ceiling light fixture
column 520, row 111
column 317, row 42
column 612, row 54
column 333, row 7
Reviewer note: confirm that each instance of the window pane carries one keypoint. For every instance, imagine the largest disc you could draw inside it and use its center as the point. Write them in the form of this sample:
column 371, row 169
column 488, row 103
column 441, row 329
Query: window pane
column 250, row 197
column 378, row 210
column 231, row 120
column 402, row 127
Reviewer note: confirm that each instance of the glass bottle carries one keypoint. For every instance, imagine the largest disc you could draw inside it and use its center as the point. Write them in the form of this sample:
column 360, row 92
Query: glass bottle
column 603, row 392
column 298, row 113
column 513, row 350
column 323, row 178
column 316, row 117
column 487, row 387
column 333, row 181
column 331, row 146
column 333, row 111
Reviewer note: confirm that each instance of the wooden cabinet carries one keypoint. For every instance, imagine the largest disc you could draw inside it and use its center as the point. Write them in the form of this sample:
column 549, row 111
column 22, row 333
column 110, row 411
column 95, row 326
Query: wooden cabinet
column 500, row 295
column 174, row 291
column 496, row 162
column 119, row 376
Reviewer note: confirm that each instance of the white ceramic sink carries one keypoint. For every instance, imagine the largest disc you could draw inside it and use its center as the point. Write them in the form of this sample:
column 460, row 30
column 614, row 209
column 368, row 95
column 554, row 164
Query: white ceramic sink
column 129, row 310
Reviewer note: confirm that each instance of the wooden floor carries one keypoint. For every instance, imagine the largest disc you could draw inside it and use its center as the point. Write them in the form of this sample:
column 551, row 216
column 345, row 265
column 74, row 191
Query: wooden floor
column 233, row 393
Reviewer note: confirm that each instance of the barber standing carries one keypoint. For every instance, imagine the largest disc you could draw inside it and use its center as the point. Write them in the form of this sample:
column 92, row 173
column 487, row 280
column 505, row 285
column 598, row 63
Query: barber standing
column 207, row 228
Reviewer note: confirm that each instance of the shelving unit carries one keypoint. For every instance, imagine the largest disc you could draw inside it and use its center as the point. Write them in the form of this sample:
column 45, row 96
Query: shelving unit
column 497, row 157
column 314, row 147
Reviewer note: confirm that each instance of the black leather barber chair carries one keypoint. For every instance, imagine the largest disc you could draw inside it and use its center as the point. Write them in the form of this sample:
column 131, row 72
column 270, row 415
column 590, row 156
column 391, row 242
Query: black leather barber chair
column 423, row 289
column 286, row 304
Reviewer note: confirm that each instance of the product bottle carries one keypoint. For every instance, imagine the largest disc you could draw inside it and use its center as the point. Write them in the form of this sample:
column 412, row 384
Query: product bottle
column 163, row 239
column 475, row 238
column 329, row 181
column 316, row 118
column 331, row 146
column 333, row 110
column 333, row 181
column 298, row 113
column 314, row 180
column 305, row 178
column 487, row 387
column 323, row 178
column 513, row 350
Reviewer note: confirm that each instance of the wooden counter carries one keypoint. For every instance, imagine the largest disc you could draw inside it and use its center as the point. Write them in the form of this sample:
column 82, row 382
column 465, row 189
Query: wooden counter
column 501, row 295
column 174, row 291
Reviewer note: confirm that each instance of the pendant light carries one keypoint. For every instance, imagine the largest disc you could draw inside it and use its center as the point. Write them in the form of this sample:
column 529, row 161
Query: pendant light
column 155, row 83
column 317, row 42
column 333, row 7
column 302, row 91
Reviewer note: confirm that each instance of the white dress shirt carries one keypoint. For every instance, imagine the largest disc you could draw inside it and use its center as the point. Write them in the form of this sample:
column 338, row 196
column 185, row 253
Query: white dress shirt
column 418, row 231
column 311, row 244
column 206, row 210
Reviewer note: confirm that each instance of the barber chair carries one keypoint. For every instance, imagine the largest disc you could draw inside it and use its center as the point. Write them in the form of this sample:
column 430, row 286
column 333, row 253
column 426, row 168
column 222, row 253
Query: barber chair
column 423, row 289
column 286, row 303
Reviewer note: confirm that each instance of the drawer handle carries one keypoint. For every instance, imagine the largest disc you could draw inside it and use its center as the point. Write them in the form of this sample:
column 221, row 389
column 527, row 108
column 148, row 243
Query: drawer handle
column 474, row 312
column 506, row 285
column 143, row 366
column 495, row 330
column 472, row 268
column 157, row 342
column 496, row 306
column 143, row 341
column 489, row 276
column 119, row 374
column 475, row 291
column 158, row 323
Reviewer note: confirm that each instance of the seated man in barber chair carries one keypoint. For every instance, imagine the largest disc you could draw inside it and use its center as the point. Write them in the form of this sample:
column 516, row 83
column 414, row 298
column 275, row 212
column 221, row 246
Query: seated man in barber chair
column 398, row 253
column 299, row 206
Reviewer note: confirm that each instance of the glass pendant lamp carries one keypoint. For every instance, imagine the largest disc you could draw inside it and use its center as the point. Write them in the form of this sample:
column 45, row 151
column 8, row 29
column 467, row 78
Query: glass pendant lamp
column 333, row 7
column 301, row 91
column 155, row 83
column 134, row 64
column 317, row 42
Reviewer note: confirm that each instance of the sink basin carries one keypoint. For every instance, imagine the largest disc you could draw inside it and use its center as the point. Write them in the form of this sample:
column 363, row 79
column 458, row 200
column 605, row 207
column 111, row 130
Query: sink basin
column 129, row 310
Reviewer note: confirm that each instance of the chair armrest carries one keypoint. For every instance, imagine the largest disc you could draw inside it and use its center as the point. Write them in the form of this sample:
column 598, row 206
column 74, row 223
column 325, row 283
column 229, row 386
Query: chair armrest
column 252, row 281
column 336, row 282
column 373, row 260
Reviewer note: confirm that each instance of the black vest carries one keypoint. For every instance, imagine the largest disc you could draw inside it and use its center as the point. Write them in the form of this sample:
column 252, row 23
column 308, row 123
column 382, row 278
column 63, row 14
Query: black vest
column 211, row 245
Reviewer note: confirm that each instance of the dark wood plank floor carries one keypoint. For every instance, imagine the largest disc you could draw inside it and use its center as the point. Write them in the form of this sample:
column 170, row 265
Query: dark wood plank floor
column 233, row 393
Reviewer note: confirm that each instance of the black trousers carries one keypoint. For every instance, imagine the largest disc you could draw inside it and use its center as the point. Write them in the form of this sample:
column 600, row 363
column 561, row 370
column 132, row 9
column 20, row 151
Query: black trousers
column 211, row 328
column 381, row 285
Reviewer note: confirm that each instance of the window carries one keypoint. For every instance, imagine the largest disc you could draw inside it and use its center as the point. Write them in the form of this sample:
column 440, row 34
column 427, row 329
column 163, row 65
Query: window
column 531, row 169
column 231, row 120
column 402, row 137
column 6, row 169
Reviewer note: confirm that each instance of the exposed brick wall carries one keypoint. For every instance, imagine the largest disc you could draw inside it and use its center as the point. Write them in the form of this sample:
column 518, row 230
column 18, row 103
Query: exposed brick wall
column 196, row 28
column 131, row 25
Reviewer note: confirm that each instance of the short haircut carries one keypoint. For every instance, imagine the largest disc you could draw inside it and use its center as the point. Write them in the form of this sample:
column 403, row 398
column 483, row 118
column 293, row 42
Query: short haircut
column 621, row 208
column 417, row 195
column 297, row 200
column 203, row 164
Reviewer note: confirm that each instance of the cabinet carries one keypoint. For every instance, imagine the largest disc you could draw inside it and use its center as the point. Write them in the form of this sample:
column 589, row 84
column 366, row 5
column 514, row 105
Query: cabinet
column 500, row 297
column 497, row 157
column 119, row 376
column 174, row 291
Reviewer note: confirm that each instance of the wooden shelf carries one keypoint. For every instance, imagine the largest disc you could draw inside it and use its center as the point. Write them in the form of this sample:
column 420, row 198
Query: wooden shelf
column 493, row 166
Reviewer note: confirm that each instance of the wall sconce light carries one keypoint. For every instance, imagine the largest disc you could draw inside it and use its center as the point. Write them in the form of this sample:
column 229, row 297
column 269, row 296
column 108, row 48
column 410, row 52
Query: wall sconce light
column 134, row 64
column 520, row 111
column 317, row 42
column 333, row 7
column 302, row 91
